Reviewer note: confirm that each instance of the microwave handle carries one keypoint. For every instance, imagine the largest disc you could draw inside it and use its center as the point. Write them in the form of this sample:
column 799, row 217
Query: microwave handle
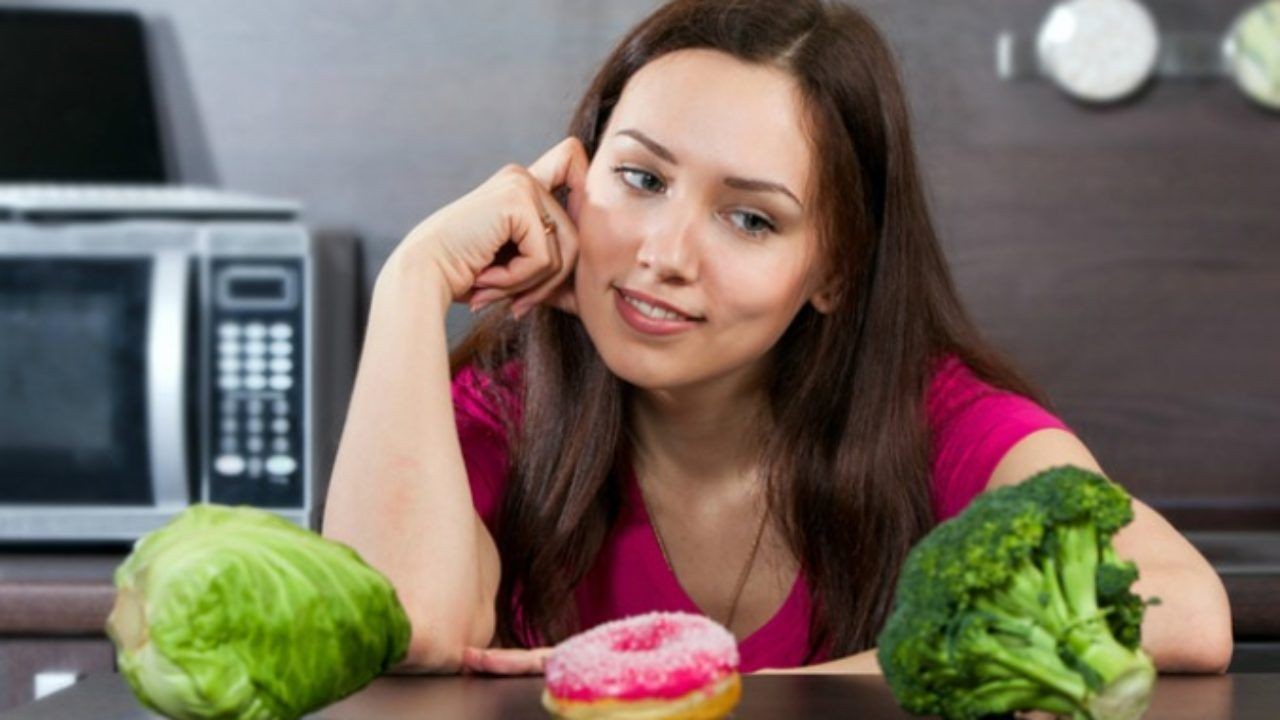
column 166, row 375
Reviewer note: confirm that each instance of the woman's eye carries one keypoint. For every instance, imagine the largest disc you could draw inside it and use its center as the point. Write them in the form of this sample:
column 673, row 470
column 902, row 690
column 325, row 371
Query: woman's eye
column 643, row 177
column 755, row 225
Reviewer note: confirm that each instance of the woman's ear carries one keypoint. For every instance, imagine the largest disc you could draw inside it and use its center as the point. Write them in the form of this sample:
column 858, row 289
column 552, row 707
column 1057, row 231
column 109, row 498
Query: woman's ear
column 827, row 298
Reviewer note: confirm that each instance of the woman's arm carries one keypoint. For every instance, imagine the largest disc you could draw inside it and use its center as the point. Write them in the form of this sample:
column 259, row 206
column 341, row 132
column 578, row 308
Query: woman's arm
column 1190, row 630
column 399, row 493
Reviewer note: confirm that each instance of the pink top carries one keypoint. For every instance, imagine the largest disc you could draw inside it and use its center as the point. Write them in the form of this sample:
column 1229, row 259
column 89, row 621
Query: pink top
column 972, row 425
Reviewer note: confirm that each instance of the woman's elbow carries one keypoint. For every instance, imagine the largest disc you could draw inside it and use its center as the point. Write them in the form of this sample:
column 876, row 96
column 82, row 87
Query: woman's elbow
column 1219, row 634
column 1205, row 641
column 436, row 647
column 430, row 652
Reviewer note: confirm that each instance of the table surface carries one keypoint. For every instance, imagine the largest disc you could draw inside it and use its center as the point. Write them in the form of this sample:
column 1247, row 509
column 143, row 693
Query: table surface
column 107, row 697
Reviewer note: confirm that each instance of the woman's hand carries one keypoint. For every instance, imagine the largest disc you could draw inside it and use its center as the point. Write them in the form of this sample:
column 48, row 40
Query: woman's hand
column 504, row 661
column 491, row 244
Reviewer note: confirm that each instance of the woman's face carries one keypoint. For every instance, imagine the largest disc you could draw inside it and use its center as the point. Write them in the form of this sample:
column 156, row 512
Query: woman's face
column 694, row 198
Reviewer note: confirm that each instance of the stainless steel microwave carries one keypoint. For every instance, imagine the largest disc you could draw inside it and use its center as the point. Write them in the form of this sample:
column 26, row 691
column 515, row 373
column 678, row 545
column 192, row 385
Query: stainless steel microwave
column 149, row 364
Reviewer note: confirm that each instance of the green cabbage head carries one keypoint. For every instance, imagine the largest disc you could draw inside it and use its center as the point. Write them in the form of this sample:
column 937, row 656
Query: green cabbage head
column 233, row 612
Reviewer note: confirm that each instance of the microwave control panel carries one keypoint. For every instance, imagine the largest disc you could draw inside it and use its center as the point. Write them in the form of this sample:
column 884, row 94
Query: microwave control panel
column 257, row 375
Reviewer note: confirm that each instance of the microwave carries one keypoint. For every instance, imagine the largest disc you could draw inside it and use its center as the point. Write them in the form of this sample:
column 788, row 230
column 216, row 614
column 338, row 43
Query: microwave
column 149, row 364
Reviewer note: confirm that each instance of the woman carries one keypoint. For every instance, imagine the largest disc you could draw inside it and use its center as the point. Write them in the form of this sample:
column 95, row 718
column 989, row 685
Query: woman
column 724, row 370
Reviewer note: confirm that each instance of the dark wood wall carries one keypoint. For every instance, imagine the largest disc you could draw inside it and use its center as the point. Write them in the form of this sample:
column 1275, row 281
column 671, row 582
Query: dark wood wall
column 1128, row 258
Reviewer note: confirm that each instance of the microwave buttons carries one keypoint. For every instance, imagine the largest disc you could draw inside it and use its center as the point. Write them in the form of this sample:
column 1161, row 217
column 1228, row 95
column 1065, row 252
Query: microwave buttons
column 228, row 347
column 281, row 365
column 253, row 444
column 228, row 331
column 281, row 407
column 255, row 365
column 255, row 382
column 229, row 364
column 229, row 426
column 281, row 347
column 231, row 465
column 254, row 407
column 229, row 382
column 281, row 331
column 280, row 445
column 281, row 465
column 280, row 426
column 253, row 426
column 255, row 331
column 255, row 348
column 254, row 465
column 281, row 382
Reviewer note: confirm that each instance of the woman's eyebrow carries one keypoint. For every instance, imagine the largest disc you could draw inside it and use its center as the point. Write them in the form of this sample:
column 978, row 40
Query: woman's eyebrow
column 739, row 183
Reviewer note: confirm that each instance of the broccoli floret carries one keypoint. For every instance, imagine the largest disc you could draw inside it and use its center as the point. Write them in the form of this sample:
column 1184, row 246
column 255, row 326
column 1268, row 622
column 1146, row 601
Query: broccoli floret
column 1021, row 603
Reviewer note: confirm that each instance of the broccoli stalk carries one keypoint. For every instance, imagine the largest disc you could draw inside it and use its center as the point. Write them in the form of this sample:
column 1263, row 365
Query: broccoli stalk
column 1016, row 604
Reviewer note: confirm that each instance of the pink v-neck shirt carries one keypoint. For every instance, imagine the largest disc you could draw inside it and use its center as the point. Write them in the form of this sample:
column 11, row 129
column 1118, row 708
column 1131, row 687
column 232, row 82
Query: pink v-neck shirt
column 972, row 426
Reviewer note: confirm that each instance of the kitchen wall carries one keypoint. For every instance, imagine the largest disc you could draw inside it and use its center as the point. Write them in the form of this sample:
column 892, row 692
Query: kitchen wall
column 1128, row 258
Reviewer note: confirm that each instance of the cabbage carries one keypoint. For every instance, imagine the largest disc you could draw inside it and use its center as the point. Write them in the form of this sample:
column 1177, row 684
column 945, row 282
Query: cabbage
column 237, row 613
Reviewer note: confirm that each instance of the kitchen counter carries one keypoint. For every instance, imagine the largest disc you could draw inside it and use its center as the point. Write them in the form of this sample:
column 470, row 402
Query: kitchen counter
column 1241, row 697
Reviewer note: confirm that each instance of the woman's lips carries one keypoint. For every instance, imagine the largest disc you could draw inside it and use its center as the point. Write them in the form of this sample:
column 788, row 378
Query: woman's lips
column 655, row 302
column 644, row 324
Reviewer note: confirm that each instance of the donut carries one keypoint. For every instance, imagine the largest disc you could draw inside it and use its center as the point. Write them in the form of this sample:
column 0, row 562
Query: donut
column 669, row 665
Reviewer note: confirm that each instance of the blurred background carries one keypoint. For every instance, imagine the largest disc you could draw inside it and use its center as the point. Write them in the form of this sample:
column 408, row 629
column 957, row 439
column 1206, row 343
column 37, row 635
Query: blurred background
column 1127, row 256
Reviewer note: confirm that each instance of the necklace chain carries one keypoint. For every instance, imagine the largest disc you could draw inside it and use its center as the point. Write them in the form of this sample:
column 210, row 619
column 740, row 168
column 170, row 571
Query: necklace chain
column 742, row 576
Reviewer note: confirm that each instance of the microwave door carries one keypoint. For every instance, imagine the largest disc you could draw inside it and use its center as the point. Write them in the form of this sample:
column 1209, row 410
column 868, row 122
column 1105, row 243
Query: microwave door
column 92, row 374
column 73, row 389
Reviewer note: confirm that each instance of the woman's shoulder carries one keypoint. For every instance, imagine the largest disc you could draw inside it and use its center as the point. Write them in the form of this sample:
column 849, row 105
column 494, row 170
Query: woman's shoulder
column 955, row 392
column 972, row 425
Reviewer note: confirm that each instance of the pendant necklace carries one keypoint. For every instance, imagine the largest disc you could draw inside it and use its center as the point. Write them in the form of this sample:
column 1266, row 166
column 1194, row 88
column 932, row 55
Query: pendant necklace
column 742, row 576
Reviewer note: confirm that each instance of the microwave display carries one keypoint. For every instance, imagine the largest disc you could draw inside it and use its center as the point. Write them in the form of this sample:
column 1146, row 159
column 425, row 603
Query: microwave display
column 256, row 289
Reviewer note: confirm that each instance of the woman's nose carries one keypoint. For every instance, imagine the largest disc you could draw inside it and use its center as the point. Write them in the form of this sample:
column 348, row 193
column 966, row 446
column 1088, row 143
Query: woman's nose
column 670, row 250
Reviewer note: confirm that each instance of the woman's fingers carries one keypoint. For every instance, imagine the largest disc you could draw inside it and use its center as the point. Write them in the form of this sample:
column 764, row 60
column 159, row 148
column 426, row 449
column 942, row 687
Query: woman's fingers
column 564, row 165
column 558, row 284
column 545, row 263
column 504, row 661
column 530, row 281
column 538, row 258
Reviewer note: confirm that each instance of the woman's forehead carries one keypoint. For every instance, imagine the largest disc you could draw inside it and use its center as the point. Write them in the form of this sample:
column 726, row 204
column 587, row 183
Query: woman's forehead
column 712, row 111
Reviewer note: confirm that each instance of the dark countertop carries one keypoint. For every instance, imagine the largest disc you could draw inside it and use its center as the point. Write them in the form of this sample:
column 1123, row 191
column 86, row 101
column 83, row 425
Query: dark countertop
column 1241, row 697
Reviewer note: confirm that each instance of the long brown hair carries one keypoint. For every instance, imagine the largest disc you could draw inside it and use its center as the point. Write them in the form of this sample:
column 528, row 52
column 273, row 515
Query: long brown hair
column 847, row 452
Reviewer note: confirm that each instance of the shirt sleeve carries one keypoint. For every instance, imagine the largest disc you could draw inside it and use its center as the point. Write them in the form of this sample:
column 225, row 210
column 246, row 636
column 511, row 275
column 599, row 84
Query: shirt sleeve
column 973, row 425
column 483, row 437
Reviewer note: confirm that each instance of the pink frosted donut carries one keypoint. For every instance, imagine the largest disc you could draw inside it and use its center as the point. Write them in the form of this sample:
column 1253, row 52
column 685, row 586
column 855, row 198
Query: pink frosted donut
column 661, row 664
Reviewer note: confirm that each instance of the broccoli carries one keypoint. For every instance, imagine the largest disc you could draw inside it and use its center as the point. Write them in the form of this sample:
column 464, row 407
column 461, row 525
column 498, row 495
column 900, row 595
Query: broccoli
column 1021, row 603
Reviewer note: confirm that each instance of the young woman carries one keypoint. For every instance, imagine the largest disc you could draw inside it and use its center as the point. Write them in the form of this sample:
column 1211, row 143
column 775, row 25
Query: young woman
column 723, row 369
